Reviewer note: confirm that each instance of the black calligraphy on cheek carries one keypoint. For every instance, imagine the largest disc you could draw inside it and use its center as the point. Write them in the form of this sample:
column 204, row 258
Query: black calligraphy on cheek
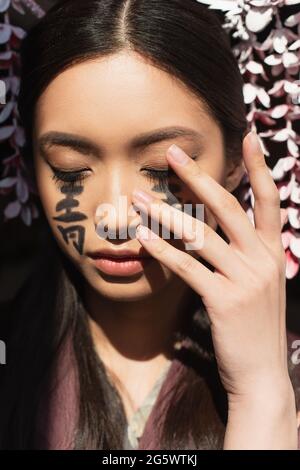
column 74, row 232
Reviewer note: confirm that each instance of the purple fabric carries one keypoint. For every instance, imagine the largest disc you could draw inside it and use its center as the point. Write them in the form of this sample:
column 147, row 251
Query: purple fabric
column 58, row 410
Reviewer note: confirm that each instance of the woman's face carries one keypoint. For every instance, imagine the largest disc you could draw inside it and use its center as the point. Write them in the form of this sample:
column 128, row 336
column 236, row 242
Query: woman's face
column 105, row 121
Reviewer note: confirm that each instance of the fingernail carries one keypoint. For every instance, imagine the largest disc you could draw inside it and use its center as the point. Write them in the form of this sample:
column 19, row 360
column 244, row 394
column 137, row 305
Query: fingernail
column 178, row 155
column 255, row 142
column 142, row 196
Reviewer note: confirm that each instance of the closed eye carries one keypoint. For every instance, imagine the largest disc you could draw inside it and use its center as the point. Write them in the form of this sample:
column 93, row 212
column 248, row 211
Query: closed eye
column 69, row 178
column 161, row 176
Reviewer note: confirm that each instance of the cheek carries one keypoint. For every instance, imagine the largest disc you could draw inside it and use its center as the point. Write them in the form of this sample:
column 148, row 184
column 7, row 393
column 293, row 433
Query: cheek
column 64, row 212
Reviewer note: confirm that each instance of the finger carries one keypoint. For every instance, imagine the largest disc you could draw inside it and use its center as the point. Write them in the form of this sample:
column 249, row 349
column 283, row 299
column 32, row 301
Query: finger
column 199, row 277
column 267, row 215
column 229, row 213
column 198, row 236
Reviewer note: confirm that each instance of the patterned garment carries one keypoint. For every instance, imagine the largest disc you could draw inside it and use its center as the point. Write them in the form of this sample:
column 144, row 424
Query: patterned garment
column 137, row 422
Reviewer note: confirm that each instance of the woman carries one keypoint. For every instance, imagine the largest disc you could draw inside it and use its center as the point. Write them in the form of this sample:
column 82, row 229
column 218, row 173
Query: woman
column 122, row 341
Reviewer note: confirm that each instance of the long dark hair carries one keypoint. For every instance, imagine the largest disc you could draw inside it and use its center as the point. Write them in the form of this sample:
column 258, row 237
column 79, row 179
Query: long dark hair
column 185, row 39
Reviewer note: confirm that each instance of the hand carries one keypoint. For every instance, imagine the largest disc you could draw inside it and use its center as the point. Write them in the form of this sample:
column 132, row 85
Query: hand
column 245, row 296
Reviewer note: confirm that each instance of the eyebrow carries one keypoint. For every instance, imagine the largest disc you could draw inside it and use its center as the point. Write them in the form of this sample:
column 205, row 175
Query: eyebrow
column 88, row 147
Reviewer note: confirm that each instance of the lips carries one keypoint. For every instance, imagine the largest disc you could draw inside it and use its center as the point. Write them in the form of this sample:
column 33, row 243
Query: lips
column 121, row 262
column 124, row 255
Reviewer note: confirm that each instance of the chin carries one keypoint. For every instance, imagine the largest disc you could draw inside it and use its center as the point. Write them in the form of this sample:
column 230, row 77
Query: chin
column 128, row 288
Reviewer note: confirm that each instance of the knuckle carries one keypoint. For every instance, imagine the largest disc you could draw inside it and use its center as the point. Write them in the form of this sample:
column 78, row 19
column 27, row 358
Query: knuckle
column 161, row 248
column 202, row 235
column 195, row 171
column 261, row 164
column 275, row 197
column 271, row 197
column 270, row 272
column 263, row 272
column 185, row 263
column 229, row 203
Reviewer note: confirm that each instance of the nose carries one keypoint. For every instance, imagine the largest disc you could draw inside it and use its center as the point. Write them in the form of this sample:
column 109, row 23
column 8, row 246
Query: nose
column 116, row 217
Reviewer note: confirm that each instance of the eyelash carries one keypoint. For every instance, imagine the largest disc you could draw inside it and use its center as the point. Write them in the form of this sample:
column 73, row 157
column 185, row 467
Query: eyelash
column 68, row 178
column 159, row 176
column 74, row 178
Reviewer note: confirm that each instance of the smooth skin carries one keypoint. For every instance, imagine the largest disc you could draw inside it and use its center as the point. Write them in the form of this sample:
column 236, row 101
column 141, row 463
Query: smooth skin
column 248, row 313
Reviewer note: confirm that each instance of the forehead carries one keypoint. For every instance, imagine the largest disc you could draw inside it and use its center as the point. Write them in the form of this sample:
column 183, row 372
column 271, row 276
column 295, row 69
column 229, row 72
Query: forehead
column 117, row 97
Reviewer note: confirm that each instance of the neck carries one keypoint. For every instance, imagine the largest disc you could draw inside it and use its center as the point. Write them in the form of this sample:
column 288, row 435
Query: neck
column 140, row 330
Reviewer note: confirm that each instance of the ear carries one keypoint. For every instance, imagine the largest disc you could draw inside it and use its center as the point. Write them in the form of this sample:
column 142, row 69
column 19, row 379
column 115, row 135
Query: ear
column 235, row 170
